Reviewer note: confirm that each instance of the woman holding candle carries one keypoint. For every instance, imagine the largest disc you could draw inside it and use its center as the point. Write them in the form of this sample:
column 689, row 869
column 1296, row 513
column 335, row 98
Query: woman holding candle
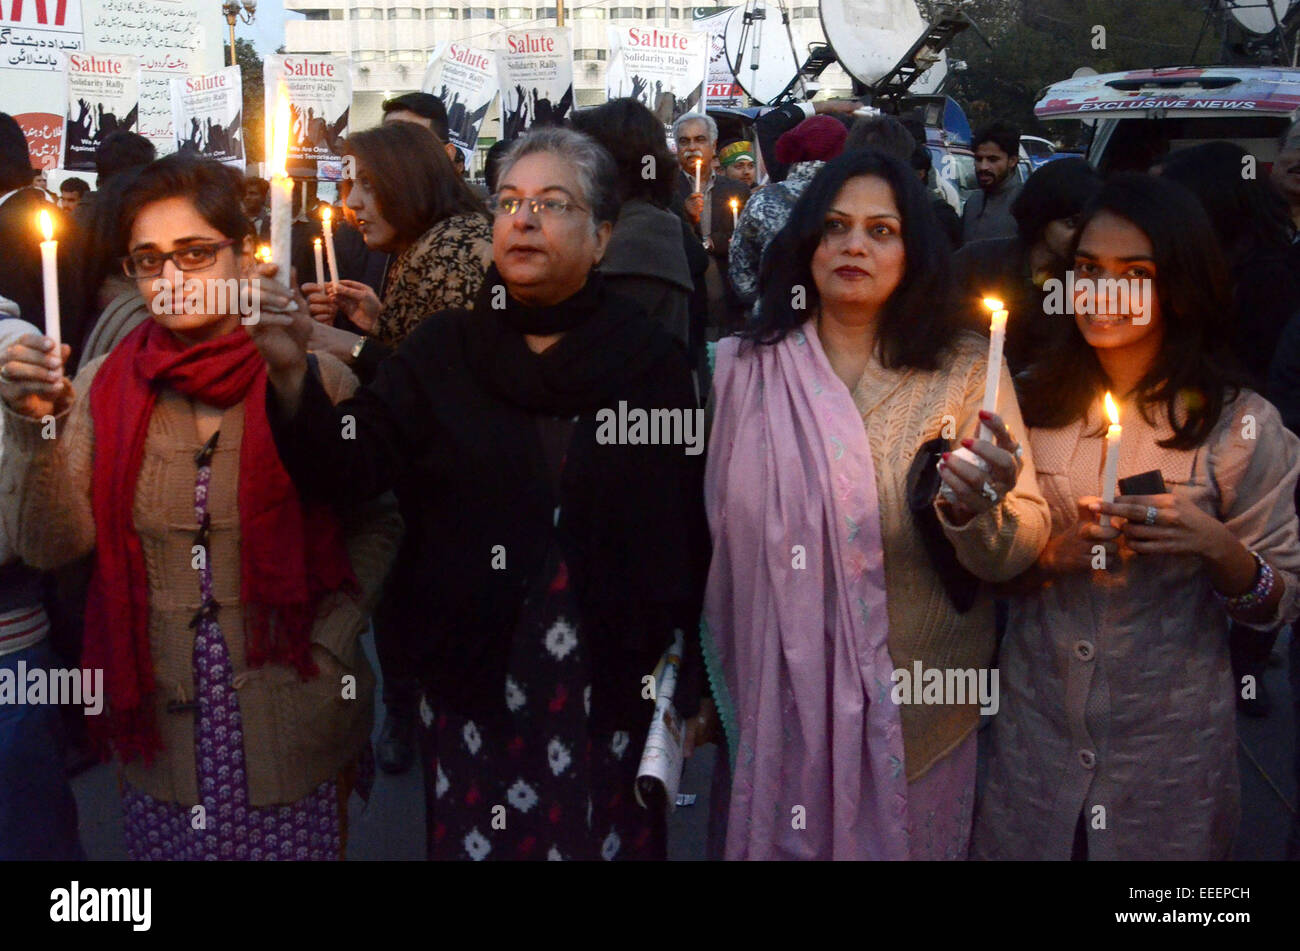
column 407, row 200
column 554, row 564
column 224, row 611
column 824, row 578
column 1116, row 735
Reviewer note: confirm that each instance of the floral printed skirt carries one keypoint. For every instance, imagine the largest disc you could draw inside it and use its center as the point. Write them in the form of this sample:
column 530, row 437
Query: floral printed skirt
column 544, row 785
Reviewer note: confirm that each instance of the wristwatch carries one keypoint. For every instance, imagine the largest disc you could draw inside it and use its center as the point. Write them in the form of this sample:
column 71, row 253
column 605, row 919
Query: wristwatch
column 356, row 349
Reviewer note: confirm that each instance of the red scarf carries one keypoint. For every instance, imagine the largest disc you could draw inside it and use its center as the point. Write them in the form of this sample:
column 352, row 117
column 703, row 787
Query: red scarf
column 291, row 555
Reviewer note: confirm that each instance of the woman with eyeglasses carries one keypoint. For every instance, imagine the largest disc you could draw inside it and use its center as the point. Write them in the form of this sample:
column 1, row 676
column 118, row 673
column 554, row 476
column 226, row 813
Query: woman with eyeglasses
column 406, row 199
column 558, row 552
column 224, row 609
column 1116, row 738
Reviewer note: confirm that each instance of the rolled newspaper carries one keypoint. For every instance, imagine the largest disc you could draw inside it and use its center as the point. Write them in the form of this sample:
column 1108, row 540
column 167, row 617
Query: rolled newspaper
column 660, row 772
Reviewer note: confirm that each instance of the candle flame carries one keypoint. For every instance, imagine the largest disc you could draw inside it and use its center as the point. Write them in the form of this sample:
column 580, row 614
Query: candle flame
column 735, row 203
column 46, row 225
column 1112, row 410
column 264, row 253
column 316, row 241
column 326, row 214
column 992, row 303
column 280, row 134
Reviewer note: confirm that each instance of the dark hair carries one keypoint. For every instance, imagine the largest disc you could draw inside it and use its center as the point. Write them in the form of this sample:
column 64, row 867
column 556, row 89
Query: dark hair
column 630, row 132
column 261, row 184
column 1194, row 293
column 423, row 104
column 120, row 151
column 882, row 133
column 413, row 179
column 77, row 186
column 15, row 161
column 1060, row 189
column 918, row 323
column 215, row 191
column 1246, row 213
column 492, row 163
column 922, row 160
column 1002, row 134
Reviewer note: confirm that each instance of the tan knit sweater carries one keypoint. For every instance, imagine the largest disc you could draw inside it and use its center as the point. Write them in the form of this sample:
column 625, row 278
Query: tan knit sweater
column 296, row 734
column 902, row 409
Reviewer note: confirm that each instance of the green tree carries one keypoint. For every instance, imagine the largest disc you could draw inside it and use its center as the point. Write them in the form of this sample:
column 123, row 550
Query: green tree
column 1038, row 42
column 250, row 74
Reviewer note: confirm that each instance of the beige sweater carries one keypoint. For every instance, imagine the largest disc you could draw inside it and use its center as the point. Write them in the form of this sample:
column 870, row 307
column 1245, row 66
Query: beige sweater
column 296, row 734
column 902, row 409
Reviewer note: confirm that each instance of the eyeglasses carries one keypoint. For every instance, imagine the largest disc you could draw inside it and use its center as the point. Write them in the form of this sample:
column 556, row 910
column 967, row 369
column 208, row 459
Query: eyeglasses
column 543, row 207
column 193, row 257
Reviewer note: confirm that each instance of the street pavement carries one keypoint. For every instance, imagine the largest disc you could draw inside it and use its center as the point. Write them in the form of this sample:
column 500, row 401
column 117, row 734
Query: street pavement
column 391, row 826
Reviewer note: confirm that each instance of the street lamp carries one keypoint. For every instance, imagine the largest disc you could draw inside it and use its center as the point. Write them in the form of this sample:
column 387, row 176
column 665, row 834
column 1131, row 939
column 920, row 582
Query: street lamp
column 231, row 9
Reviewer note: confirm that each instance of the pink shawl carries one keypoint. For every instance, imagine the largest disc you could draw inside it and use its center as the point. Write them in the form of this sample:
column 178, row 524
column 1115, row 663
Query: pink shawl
column 798, row 656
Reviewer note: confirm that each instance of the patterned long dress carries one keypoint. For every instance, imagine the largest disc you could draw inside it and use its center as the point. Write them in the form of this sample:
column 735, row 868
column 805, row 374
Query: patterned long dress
column 545, row 785
column 226, row 826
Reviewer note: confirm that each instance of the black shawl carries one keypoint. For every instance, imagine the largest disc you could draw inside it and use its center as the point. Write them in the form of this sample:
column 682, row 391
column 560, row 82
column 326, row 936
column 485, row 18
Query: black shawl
column 451, row 421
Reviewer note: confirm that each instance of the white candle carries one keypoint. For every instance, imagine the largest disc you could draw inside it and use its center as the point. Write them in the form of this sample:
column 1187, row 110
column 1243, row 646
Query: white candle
column 320, row 268
column 281, row 188
column 735, row 213
column 1110, row 477
column 698, row 163
column 50, row 275
column 327, row 217
column 997, row 337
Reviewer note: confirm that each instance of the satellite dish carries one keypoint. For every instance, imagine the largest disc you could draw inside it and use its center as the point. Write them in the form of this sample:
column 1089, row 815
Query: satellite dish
column 760, row 49
column 1083, row 71
column 1258, row 16
column 869, row 37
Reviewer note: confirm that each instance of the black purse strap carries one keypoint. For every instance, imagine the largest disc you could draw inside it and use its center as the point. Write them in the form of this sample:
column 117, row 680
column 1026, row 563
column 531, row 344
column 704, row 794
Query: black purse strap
column 923, row 483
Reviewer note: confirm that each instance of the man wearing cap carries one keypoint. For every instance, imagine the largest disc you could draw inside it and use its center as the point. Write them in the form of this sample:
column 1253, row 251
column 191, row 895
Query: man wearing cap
column 737, row 161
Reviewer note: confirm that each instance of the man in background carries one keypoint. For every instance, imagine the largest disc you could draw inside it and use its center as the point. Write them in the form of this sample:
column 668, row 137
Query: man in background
column 988, row 213
column 71, row 192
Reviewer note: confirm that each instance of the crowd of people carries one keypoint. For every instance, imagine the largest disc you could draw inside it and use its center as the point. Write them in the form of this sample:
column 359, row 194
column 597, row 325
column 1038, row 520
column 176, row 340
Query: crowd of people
column 212, row 507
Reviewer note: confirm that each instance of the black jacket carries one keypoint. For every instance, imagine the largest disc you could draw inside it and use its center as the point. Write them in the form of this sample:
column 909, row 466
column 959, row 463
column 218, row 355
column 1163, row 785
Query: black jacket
column 631, row 518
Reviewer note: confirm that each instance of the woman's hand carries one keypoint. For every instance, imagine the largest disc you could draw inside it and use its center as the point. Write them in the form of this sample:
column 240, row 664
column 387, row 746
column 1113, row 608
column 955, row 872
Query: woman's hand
column 1075, row 548
column 281, row 332
column 703, row 728
column 32, row 383
column 321, row 304
column 360, row 305
column 975, row 490
column 337, row 343
column 1168, row 524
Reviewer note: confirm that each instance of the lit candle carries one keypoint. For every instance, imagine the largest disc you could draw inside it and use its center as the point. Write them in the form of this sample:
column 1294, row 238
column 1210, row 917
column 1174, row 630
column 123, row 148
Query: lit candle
column 698, row 163
column 281, row 186
column 327, row 217
column 735, row 213
column 50, row 273
column 1111, row 475
column 320, row 268
column 997, row 337
column 264, row 253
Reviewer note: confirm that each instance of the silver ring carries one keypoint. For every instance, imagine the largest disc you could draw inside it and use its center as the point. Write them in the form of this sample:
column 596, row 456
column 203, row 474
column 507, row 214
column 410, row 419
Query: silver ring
column 990, row 493
column 1152, row 512
column 1019, row 453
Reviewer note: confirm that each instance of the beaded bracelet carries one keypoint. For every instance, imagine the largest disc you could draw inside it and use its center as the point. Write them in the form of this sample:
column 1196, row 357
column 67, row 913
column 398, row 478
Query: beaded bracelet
column 1259, row 591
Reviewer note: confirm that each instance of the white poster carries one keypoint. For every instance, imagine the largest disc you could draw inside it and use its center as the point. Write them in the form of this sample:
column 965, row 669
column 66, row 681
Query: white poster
column 320, row 98
column 208, row 115
column 465, row 79
column 665, row 69
column 535, row 71
column 103, row 98
column 723, row 90
column 171, row 37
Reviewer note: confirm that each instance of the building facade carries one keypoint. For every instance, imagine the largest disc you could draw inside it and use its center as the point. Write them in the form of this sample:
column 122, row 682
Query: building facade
column 389, row 45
